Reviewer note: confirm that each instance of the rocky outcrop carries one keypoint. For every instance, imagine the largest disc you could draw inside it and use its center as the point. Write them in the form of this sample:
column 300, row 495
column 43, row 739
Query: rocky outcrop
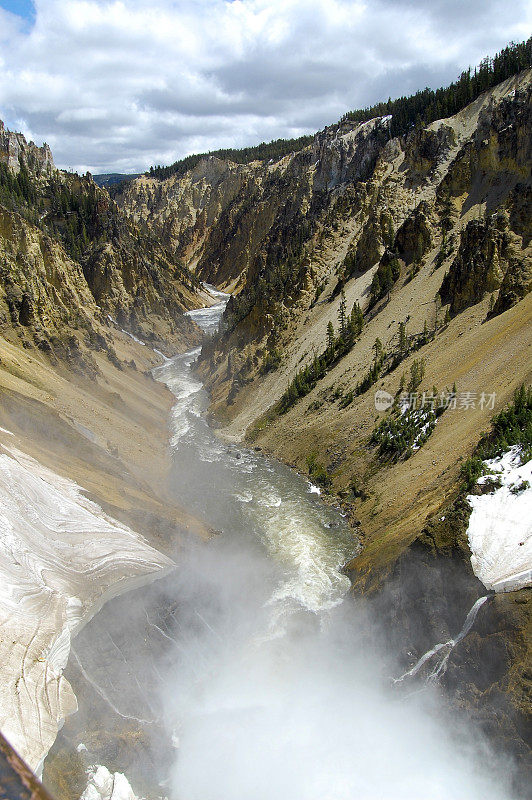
column 70, row 260
column 41, row 284
column 427, row 148
column 47, row 301
column 517, row 282
column 490, row 257
column 15, row 150
column 479, row 266
column 414, row 238
column 369, row 247
column 347, row 153
column 44, row 297
column 495, row 157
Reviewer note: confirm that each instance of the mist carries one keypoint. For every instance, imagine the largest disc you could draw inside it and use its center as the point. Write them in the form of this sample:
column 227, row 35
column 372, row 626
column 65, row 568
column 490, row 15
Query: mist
column 280, row 684
column 251, row 670
column 304, row 708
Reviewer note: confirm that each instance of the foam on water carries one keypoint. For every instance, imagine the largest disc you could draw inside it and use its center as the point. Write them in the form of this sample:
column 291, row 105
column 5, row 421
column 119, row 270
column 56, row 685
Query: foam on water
column 270, row 685
column 309, row 540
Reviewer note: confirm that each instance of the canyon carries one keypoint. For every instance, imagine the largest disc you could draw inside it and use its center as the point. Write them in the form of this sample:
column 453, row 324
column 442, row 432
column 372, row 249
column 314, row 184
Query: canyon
column 292, row 291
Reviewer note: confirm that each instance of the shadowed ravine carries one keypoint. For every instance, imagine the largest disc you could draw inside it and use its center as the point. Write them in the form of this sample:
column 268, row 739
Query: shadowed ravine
column 247, row 673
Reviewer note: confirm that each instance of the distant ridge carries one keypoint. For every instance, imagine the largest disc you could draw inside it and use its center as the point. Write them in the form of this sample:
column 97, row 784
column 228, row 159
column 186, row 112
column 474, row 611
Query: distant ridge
column 113, row 178
column 275, row 150
column 421, row 108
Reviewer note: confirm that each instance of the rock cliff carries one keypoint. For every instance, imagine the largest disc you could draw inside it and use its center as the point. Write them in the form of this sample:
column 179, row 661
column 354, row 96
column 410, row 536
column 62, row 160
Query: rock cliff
column 70, row 260
column 80, row 417
column 428, row 233
column 15, row 150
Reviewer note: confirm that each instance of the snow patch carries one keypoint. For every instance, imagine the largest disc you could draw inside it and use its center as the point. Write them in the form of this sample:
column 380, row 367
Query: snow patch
column 500, row 525
column 104, row 785
column 61, row 559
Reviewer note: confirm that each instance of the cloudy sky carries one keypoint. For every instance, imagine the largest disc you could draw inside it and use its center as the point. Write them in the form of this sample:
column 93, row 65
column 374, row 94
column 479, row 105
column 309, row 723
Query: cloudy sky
column 118, row 85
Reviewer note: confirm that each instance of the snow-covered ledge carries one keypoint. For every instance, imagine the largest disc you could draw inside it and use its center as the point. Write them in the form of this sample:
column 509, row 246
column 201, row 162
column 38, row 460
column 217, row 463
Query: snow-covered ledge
column 105, row 785
column 500, row 525
column 61, row 559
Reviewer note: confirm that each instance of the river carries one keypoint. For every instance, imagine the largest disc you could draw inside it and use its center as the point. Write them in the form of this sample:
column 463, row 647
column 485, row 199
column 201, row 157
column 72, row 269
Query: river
column 245, row 674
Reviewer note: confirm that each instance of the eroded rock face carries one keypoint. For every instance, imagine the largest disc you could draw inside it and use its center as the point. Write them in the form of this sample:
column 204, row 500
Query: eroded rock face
column 44, row 296
column 347, row 153
column 277, row 232
column 425, row 600
column 182, row 209
column 142, row 288
column 490, row 257
column 414, row 238
column 370, row 246
column 427, row 148
column 517, row 281
column 14, row 150
column 479, row 267
column 70, row 259
column 230, row 218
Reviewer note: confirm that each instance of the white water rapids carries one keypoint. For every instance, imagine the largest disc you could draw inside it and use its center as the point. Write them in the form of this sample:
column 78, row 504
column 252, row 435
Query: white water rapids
column 265, row 682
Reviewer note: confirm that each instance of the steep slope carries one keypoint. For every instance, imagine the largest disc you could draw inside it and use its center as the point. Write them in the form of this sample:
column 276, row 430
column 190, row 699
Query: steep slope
column 220, row 215
column 424, row 189
column 125, row 272
column 73, row 277
column 353, row 203
column 83, row 440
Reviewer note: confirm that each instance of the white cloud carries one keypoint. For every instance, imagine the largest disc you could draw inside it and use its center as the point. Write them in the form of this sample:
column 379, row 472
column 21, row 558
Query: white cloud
column 122, row 84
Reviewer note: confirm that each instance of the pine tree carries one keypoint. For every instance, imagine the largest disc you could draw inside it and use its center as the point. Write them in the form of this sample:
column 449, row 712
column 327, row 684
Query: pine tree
column 342, row 318
column 331, row 338
column 316, row 366
column 356, row 319
column 388, row 281
column 376, row 288
column 417, row 373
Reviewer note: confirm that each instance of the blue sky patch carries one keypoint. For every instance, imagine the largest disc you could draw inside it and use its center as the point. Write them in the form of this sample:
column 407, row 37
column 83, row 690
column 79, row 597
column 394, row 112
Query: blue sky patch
column 23, row 8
